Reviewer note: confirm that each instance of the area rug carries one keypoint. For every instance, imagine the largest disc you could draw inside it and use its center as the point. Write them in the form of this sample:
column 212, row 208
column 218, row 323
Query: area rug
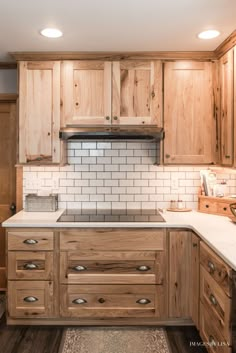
column 2, row 304
column 115, row 340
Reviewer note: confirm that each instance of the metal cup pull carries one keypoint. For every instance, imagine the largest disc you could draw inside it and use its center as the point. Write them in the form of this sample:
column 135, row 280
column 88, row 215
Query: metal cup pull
column 79, row 301
column 80, row 268
column 30, row 299
column 211, row 266
column 213, row 300
column 30, row 266
column 30, row 241
column 143, row 268
column 143, row 301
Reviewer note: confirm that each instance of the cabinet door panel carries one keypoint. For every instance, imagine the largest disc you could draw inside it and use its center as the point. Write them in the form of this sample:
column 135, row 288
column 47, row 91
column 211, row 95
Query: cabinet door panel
column 136, row 93
column 39, row 112
column 188, row 113
column 86, row 92
column 226, row 80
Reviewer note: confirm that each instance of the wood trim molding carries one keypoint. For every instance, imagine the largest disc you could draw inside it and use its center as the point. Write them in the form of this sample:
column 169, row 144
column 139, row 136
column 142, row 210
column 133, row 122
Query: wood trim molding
column 156, row 55
column 8, row 65
column 226, row 45
column 19, row 188
column 8, row 97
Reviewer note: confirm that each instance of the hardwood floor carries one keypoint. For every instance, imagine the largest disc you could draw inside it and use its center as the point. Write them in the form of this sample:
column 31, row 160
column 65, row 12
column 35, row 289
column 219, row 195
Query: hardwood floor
column 41, row 339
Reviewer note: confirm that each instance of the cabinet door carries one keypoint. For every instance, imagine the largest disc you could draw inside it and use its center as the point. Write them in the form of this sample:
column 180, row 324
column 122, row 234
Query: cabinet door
column 86, row 93
column 188, row 113
column 195, row 277
column 227, row 106
column 179, row 274
column 137, row 92
column 39, row 112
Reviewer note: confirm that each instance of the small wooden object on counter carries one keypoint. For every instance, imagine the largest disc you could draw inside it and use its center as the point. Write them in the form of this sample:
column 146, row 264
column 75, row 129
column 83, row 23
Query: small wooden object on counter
column 179, row 209
column 215, row 205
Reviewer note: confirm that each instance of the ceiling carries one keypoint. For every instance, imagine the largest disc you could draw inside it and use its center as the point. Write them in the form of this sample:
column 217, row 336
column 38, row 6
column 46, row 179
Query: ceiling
column 114, row 25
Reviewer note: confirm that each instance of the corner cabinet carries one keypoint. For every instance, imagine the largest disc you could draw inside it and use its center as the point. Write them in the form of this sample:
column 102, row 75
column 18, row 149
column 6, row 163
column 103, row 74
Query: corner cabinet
column 104, row 92
column 188, row 113
column 39, row 112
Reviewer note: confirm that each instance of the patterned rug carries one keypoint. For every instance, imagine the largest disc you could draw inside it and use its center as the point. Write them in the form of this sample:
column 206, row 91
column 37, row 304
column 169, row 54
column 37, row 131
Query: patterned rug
column 115, row 340
column 2, row 304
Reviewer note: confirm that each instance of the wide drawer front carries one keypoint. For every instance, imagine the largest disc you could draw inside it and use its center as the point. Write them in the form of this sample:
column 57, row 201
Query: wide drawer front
column 30, row 265
column 30, row 240
column 111, row 301
column 212, row 338
column 112, row 267
column 217, row 268
column 219, row 305
column 30, row 299
column 112, row 239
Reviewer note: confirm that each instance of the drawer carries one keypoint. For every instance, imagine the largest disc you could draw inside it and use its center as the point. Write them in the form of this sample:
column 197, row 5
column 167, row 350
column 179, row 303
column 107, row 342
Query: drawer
column 219, row 305
column 111, row 300
column 217, row 268
column 112, row 267
column 223, row 209
column 30, row 240
column 113, row 239
column 207, row 206
column 30, row 265
column 212, row 338
column 30, row 299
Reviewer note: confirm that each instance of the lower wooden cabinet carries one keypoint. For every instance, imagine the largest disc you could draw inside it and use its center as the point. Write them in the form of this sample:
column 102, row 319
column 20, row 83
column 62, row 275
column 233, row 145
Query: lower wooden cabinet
column 30, row 299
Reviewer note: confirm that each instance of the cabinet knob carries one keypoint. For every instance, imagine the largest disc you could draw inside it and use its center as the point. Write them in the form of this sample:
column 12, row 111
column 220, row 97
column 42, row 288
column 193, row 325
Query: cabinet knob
column 225, row 208
column 211, row 266
column 30, row 241
column 143, row 268
column 115, row 118
column 30, row 266
column 227, row 156
column 107, row 118
column 101, row 300
column 207, row 206
column 30, row 299
column 79, row 301
column 143, row 301
column 80, row 268
column 213, row 300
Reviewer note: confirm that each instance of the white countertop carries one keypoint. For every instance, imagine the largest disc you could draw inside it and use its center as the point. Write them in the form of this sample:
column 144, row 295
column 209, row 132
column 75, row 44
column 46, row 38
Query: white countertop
column 218, row 232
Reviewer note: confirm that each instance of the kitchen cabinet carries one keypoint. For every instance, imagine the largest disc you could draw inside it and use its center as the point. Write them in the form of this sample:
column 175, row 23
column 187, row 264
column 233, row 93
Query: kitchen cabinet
column 227, row 108
column 183, row 267
column 105, row 92
column 188, row 113
column 39, row 112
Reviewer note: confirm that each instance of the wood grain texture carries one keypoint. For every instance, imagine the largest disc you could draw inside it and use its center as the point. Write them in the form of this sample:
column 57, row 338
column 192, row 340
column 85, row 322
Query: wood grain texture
column 216, row 111
column 195, row 278
column 227, row 108
column 188, row 113
column 179, row 274
column 19, row 188
column 226, row 45
column 214, row 205
column 234, row 106
column 114, row 56
column 218, row 304
column 217, row 268
column 16, row 240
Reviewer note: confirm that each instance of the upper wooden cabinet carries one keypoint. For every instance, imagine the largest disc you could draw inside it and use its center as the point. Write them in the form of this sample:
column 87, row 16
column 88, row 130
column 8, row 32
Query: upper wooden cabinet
column 188, row 113
column 98, row 92
column 39, row 112
column 227, row 107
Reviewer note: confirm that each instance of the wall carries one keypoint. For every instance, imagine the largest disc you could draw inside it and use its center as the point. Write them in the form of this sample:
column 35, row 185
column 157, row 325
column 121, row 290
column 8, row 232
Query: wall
column 8, row 80
column 117, row 175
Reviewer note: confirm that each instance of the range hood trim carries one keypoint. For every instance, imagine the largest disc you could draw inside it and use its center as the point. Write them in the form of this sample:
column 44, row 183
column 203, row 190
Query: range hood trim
column 133, row 132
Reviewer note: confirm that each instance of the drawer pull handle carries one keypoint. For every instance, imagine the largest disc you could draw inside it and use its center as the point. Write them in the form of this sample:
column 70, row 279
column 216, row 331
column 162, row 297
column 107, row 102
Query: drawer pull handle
column 212, row 341
column 101, row 300
column 143, row 301
column 211, row 266
column 79, row 301
column 30, row 241
column 213, row 300
column 143, row 268
column 30, row 299
column 80, row 268
column 30, row 266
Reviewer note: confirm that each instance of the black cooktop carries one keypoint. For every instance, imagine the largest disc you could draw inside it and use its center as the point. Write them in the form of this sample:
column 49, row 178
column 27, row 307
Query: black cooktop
column 100, row 215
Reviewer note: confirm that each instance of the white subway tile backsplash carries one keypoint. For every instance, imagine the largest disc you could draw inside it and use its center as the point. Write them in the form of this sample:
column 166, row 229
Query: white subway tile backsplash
column 118, row 175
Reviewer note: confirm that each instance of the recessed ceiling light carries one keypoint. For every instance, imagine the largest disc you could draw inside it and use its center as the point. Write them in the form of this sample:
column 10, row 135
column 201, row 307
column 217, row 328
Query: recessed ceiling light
column 212, row 33
column 51, row 32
